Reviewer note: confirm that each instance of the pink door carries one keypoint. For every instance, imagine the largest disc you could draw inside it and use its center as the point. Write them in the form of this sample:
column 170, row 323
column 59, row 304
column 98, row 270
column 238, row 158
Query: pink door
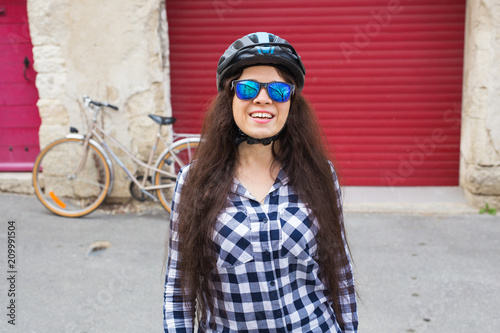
column 19, row 118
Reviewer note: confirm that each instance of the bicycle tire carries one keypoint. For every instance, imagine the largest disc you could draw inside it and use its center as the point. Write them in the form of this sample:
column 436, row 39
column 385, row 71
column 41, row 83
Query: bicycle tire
column 59, row 190
column 184, row 150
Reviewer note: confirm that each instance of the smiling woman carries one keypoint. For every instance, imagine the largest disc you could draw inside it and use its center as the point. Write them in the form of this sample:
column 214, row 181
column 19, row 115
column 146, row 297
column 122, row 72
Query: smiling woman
column 257, row 240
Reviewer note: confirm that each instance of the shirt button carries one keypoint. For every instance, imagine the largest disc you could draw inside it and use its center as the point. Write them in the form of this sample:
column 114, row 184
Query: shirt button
column 266, row 253
column 264, row 220
column 272, row 283
column 277, row 313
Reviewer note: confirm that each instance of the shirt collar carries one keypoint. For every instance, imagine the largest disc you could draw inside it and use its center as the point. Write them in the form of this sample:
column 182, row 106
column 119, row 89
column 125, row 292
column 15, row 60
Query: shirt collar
column 281, row 179
column 239, row 189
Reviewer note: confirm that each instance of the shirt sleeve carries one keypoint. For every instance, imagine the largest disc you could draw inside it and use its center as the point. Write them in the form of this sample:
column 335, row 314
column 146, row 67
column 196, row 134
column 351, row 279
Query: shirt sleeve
column 347, row 299
column 176, row 312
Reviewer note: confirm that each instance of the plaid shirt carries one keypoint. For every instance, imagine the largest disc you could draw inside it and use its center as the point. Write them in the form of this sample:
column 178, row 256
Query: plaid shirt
column 266, row 263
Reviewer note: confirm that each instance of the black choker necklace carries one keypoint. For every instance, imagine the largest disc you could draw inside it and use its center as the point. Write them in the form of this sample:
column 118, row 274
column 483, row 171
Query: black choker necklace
column 242, row 137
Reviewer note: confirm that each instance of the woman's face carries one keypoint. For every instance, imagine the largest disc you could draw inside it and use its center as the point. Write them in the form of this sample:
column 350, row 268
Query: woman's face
column 261, row 117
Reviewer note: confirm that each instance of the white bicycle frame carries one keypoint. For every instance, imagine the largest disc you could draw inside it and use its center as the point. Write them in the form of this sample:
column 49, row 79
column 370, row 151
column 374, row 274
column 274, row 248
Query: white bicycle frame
column 97, row 136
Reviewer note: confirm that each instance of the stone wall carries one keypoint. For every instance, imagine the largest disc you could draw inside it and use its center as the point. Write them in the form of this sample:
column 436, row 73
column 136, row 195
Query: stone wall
column 480, row 142
column 114, row 51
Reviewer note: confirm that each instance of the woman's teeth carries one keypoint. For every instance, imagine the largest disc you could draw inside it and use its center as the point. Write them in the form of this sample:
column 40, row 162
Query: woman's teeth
column 261, row 115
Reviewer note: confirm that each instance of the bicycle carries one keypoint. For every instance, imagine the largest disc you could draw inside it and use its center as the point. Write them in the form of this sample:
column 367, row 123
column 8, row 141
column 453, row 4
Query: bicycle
column 73, row 175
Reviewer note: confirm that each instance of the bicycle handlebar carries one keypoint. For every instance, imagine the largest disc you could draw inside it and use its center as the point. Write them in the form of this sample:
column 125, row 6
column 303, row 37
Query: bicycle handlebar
column 104, row 104
column 88, row 101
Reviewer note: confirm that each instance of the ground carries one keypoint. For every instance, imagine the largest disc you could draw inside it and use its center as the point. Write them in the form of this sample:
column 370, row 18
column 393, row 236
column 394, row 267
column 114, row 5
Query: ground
column 414, row 272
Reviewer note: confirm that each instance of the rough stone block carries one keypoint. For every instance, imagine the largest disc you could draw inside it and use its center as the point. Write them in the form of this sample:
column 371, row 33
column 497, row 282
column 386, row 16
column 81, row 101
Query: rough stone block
column 52, row 112
column 16, row 182
column 483, row 180
column 480, row 201
column 51, row 85
column 48, row 59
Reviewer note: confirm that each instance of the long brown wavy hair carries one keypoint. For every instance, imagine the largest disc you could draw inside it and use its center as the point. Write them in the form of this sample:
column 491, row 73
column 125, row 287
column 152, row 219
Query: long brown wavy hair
column 304, row 158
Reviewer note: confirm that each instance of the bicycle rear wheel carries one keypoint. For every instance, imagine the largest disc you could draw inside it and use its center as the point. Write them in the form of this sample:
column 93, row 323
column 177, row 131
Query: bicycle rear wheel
column 183, row 154
column 70, row 180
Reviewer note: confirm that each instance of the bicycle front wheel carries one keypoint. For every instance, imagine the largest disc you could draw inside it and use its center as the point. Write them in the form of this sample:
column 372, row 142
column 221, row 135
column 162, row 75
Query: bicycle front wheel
column 182, row 154
column 69, row 179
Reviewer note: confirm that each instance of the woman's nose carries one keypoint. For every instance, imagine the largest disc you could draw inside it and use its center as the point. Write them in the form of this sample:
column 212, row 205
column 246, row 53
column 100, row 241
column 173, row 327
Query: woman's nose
column 262, row 97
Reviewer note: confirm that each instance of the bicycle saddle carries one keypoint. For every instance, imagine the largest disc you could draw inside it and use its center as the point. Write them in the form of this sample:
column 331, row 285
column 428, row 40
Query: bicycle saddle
column 162, row 120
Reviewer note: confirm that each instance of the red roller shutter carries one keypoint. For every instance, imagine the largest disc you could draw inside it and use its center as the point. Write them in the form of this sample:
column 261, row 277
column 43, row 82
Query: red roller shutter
column 19, row 118
column 385, row 77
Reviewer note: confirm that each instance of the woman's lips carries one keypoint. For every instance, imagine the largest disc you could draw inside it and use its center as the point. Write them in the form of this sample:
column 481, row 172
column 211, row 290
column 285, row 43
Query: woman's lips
column 261, row 116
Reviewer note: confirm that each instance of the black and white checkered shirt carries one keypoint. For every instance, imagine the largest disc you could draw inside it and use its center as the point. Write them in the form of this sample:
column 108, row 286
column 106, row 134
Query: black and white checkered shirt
column 266, row 262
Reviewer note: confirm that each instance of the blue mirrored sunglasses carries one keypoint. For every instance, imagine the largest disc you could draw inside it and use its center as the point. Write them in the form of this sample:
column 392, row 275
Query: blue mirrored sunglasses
column 278, row 91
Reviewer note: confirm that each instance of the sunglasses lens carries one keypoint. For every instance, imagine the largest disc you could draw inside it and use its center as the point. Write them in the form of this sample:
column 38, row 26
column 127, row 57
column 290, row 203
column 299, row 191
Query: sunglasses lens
column 279, row 91
column 246, row 90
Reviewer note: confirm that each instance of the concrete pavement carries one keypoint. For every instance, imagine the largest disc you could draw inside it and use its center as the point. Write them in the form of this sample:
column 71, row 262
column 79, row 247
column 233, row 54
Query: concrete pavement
column 426, row 273
column 415, row 273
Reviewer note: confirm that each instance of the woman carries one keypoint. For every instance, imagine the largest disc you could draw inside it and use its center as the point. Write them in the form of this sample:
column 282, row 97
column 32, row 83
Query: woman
column 257, row 238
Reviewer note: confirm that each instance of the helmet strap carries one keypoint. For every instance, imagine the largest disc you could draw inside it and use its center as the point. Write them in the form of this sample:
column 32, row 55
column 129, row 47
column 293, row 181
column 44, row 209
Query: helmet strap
column 242, row 137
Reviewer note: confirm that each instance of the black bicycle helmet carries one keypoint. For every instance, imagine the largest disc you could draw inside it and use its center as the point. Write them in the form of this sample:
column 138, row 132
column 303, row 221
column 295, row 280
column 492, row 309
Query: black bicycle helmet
column 260, row 48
